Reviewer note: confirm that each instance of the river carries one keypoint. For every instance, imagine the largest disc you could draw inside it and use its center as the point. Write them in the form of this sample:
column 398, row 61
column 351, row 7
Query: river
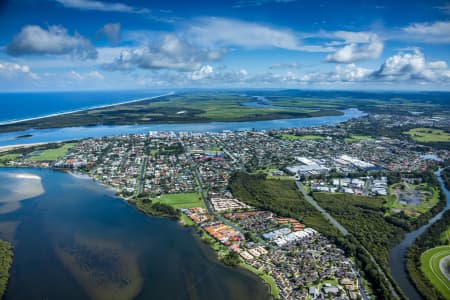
column 73, row 239
column 397, row 257
column 73, row 133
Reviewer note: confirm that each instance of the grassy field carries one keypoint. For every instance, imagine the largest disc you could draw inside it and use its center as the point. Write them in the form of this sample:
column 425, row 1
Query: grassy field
column 183, row 200
column 293, row 137
column 430, row 267
column 52, row 154
column 5, row 158
column 357, row 138
column 428, row 135
column 267, row 279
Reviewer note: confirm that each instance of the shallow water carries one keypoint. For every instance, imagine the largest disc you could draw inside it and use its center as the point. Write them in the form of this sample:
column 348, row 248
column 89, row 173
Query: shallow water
column 78, row 241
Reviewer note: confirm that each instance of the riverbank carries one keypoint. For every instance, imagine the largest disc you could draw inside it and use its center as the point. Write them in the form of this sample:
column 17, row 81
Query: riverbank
column 404, row 259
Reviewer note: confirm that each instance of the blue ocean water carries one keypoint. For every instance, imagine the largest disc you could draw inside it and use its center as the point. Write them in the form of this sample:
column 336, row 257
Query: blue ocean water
column 18, row 106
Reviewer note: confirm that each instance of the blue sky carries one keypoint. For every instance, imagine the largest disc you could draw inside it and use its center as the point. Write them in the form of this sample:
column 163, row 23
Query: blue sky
column 88, row 44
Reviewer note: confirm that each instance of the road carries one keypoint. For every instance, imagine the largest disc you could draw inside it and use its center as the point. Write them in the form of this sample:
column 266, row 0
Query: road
column 319, row 208
column 345, row 232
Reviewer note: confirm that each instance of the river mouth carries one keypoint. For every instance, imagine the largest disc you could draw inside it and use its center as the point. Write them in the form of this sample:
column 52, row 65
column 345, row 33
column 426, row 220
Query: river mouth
column 78, row 241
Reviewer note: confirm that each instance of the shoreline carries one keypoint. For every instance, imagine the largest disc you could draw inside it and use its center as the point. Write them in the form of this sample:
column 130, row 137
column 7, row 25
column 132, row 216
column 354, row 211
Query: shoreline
column 9, row 122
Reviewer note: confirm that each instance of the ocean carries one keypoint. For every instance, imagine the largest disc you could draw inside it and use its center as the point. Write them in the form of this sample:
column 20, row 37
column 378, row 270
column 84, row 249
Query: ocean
column 18, row 106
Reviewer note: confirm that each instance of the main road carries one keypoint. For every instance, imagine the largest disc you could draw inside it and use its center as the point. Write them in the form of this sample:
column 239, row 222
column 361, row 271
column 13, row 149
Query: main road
column 319, row 208
column 345, row 232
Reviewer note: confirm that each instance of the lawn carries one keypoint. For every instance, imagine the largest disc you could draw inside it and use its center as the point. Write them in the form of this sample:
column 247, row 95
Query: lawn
column 52, row 154
column 182, row 200
column 293, row 137
column 357, row 138
column 430, row 267
column 428, row 135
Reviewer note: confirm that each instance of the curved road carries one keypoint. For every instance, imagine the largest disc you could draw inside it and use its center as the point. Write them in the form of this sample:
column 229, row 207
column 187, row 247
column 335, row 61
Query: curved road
column 345, row 232
column 319, row 208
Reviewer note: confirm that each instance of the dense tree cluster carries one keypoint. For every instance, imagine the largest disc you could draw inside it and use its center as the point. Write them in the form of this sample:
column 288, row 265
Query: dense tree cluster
column 6, row 255
column 429, row 239
column 283, row 198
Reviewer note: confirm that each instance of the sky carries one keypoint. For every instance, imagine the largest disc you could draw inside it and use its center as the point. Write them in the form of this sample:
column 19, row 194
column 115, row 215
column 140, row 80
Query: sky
column 302, row 44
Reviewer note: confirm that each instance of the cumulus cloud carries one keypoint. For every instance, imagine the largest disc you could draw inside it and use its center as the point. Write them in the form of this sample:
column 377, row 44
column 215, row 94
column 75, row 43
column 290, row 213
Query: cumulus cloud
column 412, row 66
column 203, row 72
column 229, row 32
column 111, row 31
column 55, row 40
column 437, row 32
column 357, row 46
column 172, row 53
column 101, row 6
column 14, row 71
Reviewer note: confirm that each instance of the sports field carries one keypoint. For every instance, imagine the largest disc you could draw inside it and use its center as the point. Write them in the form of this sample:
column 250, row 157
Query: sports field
column 51, row 154
column 430, row 265
column 182, row 200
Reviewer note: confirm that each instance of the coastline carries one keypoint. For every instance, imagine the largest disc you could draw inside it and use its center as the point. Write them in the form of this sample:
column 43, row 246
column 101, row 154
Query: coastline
column 83, row 109
column 267, row 279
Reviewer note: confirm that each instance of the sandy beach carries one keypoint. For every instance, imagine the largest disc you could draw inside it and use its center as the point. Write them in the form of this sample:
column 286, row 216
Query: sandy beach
column 12, row 147
column 84, row 109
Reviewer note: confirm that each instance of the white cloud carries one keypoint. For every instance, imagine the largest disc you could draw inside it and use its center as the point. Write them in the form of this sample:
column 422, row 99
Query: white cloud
column 172, row 53
column 101, row 6
column 55, row 40
column 220, row 32
column 358, row 46
column 13, row 71
column 111, row 31
column 412, row 66
column 437, row 32
column 202, row 73
column 89, row 76
column 294, row 65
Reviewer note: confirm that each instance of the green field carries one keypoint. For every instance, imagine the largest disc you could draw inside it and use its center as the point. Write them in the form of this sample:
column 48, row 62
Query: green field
column 179, row 108
column 357, row 138
column 293, row 137
column 430, row 267
column 51, row 154
column 182, row 200
column 428, row 195
column 428, row 135
column 5, row 158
